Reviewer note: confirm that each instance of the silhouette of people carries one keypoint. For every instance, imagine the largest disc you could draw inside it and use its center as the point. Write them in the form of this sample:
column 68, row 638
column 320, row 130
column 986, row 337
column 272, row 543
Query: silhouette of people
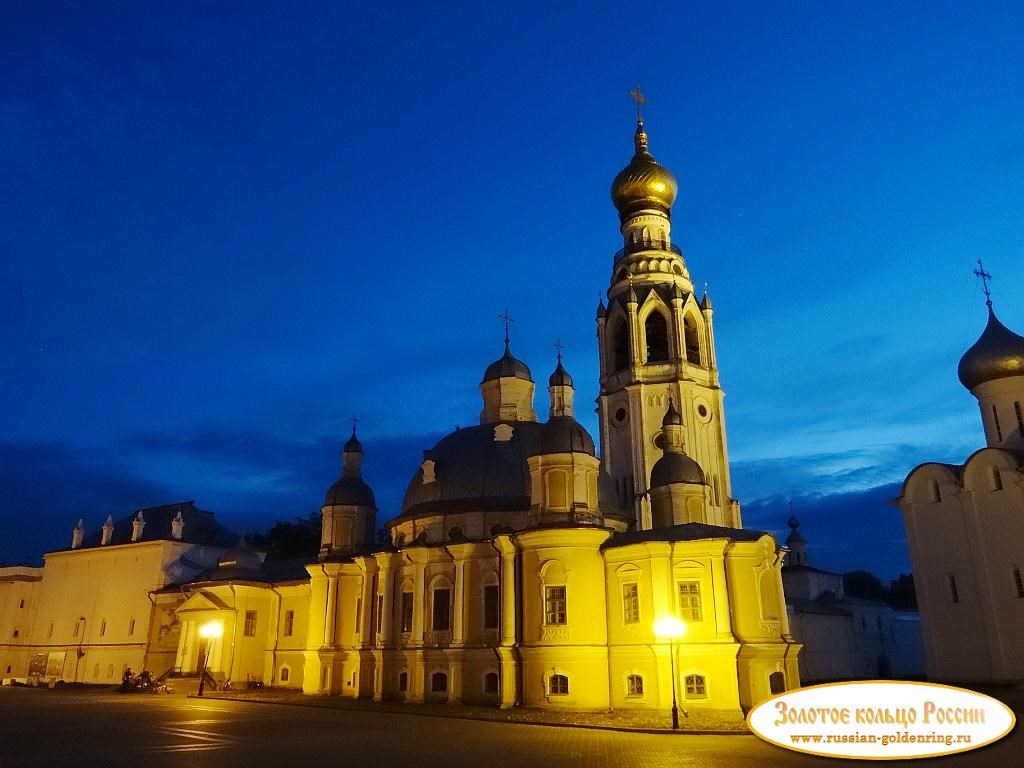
column 126, row 680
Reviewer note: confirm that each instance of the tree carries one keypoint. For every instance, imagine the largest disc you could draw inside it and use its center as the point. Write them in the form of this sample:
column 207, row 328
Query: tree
column 285, row 540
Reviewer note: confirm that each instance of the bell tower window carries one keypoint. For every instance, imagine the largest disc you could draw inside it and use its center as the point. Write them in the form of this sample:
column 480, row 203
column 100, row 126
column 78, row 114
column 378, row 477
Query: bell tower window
column 692, row 341
column 656, row 333
column 620, row 345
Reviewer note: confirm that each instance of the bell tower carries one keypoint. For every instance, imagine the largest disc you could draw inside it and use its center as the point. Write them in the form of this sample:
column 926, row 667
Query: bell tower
column 657, row 344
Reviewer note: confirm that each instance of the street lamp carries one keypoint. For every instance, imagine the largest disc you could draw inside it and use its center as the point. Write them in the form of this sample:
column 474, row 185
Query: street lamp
column 673, row 629
column 210, row 631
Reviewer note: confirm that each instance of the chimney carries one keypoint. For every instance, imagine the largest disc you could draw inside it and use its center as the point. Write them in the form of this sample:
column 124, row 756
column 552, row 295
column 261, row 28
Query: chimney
column 137, row 525
column 108, row 531
column 77, row 534
column 177, row 526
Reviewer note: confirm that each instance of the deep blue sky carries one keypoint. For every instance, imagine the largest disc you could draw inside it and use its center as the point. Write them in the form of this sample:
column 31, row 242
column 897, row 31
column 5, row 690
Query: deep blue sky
column 224, row 231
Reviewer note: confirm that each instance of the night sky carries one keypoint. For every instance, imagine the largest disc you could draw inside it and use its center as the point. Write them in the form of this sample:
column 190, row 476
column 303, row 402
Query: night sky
column 225, row 231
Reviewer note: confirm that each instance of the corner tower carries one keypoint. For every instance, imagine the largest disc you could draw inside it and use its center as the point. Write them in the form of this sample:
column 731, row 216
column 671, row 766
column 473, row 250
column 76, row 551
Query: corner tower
column 657, row 345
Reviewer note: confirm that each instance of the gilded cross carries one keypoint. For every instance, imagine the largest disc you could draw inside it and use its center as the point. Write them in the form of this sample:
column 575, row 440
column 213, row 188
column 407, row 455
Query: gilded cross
column 985, row 277
column 638, row 96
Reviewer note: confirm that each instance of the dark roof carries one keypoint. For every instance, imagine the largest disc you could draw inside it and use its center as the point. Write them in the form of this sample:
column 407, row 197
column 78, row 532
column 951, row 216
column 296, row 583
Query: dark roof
column 676, row 468
column 798, row 568
column 200, row 527
column 684, row 532
column 350, row 490
column 507, row 367
column 474, row 471
column 272, row 572
column 353, row 445
column 827, row 607
column 563, row 434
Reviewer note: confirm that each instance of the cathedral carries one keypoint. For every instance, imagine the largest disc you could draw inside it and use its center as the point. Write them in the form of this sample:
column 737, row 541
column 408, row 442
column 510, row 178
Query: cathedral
column 965, row 526
column 524, row 568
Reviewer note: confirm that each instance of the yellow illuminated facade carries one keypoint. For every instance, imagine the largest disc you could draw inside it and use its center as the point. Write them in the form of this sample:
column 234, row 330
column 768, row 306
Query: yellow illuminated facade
column 524, row 568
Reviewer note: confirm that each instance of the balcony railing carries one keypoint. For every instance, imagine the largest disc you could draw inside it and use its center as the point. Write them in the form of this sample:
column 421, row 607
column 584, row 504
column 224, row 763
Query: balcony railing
column 647, row 245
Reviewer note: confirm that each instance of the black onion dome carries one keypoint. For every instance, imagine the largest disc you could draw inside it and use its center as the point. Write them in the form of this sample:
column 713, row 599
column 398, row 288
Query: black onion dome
column 563, row 434
column 352, row 491
column 676, row 468
column 507, row 366
column 473, row 471
column 353, row 445
column 560, row 377
column 998, row 353
column 672, row 416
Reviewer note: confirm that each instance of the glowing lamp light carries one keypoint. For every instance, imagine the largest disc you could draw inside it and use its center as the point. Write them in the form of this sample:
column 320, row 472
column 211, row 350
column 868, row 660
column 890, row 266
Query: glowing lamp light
column 211, row 629
column 670, row 627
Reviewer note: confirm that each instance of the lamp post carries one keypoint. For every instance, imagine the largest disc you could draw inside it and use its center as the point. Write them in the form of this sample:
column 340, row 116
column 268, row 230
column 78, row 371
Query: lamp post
column 673, row 629
column 210, row 631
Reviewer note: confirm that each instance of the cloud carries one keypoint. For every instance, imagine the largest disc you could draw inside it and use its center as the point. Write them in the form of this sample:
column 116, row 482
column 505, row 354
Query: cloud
column 48, row 486
column 860, row 530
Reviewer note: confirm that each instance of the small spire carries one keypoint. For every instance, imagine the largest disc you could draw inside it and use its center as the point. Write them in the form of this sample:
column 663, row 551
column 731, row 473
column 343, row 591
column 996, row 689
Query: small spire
column 672, row 416
column 508, row 323
column 985, row 277
column 792, row 522
column 602, row 311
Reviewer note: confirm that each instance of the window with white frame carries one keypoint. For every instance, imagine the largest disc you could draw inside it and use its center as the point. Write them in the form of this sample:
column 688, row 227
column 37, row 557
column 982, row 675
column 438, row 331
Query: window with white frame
column 558, row 685
column 689, row 601
column 630, row 603
column 696, row 687
column 554, row 605
column 634, row 685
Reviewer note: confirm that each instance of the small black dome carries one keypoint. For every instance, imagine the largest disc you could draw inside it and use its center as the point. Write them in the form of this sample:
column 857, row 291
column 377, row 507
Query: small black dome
column 563, row 434
column 560, row 377
column 676, row 468
column 353, row 445
column 352, row 491
column 672, row 416
column 507, row 367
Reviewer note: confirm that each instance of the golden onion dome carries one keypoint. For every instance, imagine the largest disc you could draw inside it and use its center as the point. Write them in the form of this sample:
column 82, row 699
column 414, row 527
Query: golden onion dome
column 644, row 183
column 998, row 353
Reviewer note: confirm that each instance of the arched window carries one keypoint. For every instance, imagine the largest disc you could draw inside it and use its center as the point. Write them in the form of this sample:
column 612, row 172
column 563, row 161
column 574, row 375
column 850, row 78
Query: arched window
column 491, row 682
column 696, row 687
column 558, row 685
column 403, row 681
column 635, row 685
column 441, row 609
column 692, row 341
column 438, row 682
column 656, row 334
column 619, row 337
column 285, row 674
column 776, row 682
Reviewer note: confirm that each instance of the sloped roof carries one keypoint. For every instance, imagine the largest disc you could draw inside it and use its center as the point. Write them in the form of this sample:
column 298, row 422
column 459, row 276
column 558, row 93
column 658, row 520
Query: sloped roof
column 684, row 532
column 200, row 527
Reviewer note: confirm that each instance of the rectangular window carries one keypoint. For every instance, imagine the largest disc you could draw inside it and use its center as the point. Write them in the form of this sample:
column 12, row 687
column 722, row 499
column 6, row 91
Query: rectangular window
column 49, row 631
column 1020, row 417
column 954, row 595
column 103, row 627
column 359, row 614
column 1018, row 583
column 407, row 611
column 380, row 613
column 634, row 685
column 442, row 610
column 492, row 606
column 289, row 623
column 250, row 624
column 22, row 603
column 995, row 420
column 554, row 605
column 689, row 601
column 131, row 627
column 630, row 604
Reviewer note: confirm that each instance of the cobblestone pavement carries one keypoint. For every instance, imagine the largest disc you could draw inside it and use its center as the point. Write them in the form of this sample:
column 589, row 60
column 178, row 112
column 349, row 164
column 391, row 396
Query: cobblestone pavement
column 102, row 728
